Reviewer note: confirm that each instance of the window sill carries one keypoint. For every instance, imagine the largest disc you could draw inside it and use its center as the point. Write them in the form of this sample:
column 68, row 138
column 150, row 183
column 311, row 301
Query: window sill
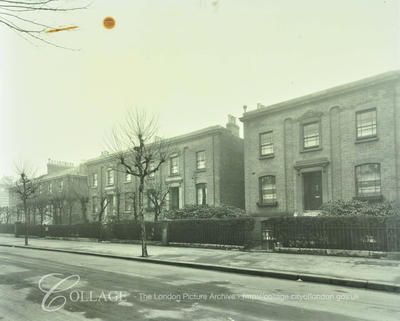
column 272, row 204
column 376, row 198
column 366, row 140
column 174, row 175
column 200, row 170
column 314, row 149
column 266, row 156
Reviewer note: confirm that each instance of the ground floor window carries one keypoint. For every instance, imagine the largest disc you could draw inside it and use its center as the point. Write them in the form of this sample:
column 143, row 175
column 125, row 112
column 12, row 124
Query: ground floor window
column 173, row 198
column 128, row 202
column 201, row 194
column 267, row 190
column 94, row 204
column 368, row 180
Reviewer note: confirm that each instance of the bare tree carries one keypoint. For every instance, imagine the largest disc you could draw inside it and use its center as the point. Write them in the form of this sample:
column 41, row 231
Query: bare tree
column 39, row 203
column 133, row 198
column 80, row 193
column 5, row 214
column 141, row 154
column 59, row 202
column 26, row 17
column 25, row 188
column 99, row 216
column 157, row 194
column 70, row 201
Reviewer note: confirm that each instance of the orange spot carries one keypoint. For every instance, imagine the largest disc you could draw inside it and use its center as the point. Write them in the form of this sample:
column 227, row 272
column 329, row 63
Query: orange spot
column 109, row 22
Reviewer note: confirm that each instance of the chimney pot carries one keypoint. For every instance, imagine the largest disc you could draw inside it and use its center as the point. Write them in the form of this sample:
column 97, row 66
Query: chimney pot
column 232, row 126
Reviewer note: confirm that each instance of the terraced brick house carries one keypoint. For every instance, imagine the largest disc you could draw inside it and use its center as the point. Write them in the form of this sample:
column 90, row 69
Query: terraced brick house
column 203, row 167
column 340, row 143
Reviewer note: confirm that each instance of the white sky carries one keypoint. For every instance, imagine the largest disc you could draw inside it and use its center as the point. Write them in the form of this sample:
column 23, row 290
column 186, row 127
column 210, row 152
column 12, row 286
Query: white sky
column 188, row 61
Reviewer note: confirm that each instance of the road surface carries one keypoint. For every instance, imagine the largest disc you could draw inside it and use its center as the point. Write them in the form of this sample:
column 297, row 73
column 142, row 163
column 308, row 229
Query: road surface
column 40, row 285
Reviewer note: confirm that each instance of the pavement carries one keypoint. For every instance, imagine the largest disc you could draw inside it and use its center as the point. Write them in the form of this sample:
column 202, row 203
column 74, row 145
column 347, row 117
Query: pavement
column 376, row 274
column 58, row 286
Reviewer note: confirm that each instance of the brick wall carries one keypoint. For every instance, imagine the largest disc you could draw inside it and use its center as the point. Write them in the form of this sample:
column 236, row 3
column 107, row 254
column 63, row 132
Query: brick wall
column 231, row 170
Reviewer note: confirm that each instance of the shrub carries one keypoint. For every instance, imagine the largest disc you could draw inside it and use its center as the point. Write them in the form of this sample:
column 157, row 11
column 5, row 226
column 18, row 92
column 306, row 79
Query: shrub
column 205, row 211
column 359, row 208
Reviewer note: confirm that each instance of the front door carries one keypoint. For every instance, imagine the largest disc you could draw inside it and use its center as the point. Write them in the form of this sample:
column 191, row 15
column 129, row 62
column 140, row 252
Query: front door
column 312, row 187
column 173, row 198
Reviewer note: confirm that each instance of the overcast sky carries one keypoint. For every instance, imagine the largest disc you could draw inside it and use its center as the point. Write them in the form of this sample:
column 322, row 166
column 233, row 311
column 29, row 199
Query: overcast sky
column 191, row 62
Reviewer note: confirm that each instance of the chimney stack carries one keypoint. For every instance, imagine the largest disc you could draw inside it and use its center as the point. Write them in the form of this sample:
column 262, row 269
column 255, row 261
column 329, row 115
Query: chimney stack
column 54, row 166
column 232, row 126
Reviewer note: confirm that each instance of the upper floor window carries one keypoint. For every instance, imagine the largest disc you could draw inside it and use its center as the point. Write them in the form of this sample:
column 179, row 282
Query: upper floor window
column 174, row 165
column 311, row 135
column 128, row 177
column 50, row 188
column 94, row 180
column 61, row 186
column 110, row 176
column 201, row 194
column 368, row 180
column 366, row 123
column 201, row 160
column 40, row 188
column 266, row 144
column 267, row 189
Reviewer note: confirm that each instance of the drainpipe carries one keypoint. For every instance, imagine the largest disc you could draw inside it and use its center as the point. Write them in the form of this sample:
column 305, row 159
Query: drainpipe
column 101, row 188
column 213, row 165
column 118, row 191
column 396, row 144
column 184, row 177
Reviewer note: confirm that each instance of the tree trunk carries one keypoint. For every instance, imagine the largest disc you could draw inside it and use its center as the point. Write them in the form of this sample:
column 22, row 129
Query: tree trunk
column 70, row 215
column 41, row 222
column 141, row 215
column 26, row 222
column 84, row 210
column 157, row 212
column 118, row 205
column 100, row 224
column 60, row 215
column 135, row 214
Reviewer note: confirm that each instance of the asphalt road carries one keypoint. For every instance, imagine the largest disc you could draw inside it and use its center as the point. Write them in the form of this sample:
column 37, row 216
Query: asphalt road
column 79, row 287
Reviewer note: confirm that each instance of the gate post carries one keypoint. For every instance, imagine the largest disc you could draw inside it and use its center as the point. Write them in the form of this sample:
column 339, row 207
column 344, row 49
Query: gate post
column 164, row 233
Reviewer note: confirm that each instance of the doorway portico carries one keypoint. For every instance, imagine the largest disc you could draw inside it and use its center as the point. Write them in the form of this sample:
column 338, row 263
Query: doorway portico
column 311, row 185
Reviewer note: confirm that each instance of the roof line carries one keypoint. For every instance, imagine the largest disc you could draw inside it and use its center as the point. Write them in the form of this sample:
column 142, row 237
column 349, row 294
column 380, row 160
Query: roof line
column 323, row 94
column 174, row 139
